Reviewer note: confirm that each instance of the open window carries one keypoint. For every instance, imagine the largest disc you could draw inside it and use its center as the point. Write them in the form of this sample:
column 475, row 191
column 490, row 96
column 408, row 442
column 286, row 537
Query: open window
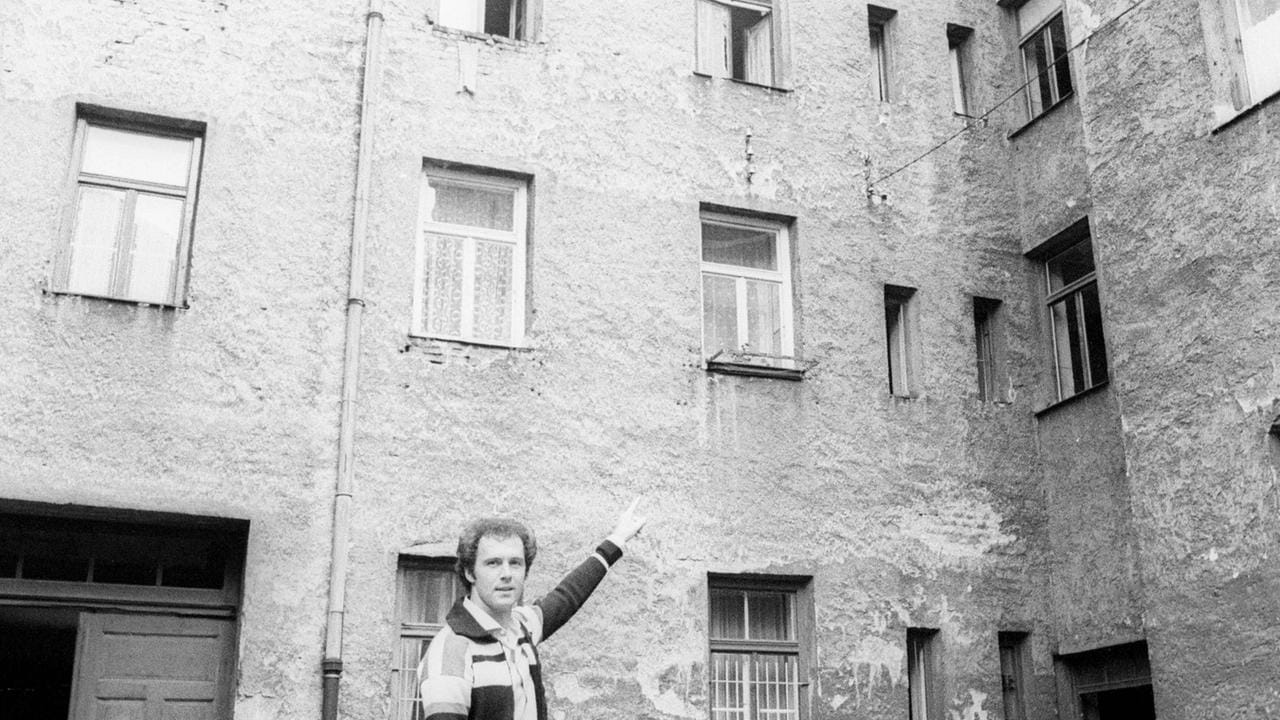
column 129, row 233
column 1075, row 313
column 501, row 18
column 740, row 39
column 1045, row 55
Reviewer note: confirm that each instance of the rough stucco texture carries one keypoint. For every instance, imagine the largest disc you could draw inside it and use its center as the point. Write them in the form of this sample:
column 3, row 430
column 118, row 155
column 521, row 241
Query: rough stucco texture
column 1187, row 225
column 226, row 408
column 938, row 511
column 906, row 513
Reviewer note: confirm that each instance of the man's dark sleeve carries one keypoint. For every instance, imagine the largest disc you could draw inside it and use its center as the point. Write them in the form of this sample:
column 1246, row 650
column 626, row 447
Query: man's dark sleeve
column 561, row 603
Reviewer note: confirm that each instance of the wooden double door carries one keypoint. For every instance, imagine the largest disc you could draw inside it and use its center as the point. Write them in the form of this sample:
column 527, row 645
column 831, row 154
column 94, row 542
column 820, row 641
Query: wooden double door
column 152, row 667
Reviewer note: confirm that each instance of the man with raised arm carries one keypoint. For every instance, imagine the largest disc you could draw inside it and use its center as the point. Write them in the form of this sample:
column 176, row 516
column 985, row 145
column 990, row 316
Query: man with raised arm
column 484, row 663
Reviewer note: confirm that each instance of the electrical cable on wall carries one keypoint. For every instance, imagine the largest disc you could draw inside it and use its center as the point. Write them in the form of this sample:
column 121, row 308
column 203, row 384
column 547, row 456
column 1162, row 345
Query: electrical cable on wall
column 972, row 122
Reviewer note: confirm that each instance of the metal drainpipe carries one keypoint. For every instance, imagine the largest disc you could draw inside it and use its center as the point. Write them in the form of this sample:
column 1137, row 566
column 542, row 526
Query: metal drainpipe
column 342, row 497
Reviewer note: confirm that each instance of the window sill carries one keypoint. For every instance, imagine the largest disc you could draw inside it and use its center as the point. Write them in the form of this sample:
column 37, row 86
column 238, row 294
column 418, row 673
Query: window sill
column 1251, row 110
column 463, row 342
column 109, row 298
column 766, row 366
column 486, row 38
column 1069, row 400
column 736, row 81
column 1061, row 101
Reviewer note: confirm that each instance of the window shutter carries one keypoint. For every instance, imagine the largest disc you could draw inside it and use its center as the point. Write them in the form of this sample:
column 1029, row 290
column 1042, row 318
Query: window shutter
column 714, row 56
column 759, row 39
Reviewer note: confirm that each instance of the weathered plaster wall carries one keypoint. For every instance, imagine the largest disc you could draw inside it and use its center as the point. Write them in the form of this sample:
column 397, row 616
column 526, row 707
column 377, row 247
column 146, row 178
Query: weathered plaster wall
column 228, row 407
column 1095, row 582
column 939, row 511
column 906, row 513
column 1186, row 241
column 1095, row 579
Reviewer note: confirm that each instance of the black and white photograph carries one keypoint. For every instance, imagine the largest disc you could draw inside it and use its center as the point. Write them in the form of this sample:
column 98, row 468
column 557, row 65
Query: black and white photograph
column 622, row 360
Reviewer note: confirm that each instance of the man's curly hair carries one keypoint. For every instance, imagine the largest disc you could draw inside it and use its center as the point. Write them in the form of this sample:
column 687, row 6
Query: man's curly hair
column 494, row 527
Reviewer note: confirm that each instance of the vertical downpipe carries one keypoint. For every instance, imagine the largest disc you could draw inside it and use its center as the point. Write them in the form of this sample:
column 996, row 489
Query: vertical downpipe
column 344, row 487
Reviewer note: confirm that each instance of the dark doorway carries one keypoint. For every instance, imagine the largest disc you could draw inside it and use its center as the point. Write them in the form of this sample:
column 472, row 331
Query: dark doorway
column 37, row 658
column 1131, row 703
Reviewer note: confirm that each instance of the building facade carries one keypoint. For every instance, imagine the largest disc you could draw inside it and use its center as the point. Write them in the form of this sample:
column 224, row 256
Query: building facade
column 934, row 336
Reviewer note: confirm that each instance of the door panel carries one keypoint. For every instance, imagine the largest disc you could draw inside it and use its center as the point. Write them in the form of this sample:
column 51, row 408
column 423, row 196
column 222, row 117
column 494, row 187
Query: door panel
column 152, row 667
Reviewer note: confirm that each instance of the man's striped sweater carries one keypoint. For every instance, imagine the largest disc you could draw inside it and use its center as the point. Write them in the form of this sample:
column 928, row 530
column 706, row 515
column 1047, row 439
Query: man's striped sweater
column 469, row 674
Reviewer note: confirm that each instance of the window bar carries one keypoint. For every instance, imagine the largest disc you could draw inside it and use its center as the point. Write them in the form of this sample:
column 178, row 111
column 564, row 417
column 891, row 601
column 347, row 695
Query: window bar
column 744, row 337
column 468, row 309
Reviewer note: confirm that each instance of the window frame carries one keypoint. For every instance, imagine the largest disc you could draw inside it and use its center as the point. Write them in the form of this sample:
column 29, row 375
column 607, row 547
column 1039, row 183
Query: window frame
column 900, row 340
column 1012, row 647
column 880, row 22
column 1042, row 31
column 922, row 674
column 1255, row 84
column 989, row 348
column 1074, row 292
column 959, row 51
column 518, row 237
column 799, row 590
column 784, row 276
column 530, row 11
column 121, row 263
column 402, row 707
column 705, row 51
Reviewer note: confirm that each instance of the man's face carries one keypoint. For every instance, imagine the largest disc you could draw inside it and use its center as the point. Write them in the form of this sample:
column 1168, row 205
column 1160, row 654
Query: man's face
column 497, row 582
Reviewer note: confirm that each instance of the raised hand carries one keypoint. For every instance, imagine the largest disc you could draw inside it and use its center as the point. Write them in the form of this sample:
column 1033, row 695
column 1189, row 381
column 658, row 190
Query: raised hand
column 629, row 525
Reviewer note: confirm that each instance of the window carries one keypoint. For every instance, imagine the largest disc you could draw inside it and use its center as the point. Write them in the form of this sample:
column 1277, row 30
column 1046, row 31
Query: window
column 759, row 647
column 986, row 314
column 1044, row 56
column 746, row 288
column 470, row 284
column 740, row 39
column 1259, row 38
column 133, row 206
column 878, row 21
column 899, row 338
column 960, row 65
column 503, row 18
column 1113, row 683
column 1075, row 319
column 425, row 590
column 922, row 691
column 1011, row 649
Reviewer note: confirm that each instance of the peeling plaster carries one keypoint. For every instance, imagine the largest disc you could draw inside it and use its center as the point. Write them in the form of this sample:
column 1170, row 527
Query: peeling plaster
column 568, row 687
column 878, row 656
column 971, row 710
column 650, row 672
